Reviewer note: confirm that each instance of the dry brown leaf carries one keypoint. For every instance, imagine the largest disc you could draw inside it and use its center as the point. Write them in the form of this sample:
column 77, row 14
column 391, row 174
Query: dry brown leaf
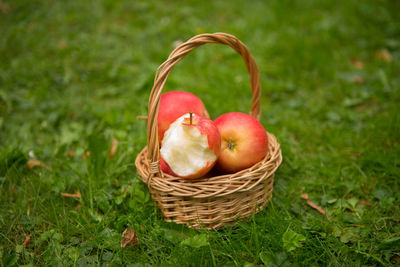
column 62, row 44
column 74, row 195
column 358, row 64
column 384, row 55
column 304, row 196
column 129, row 238
column 71, row 115
column 4, row 7
column 70, row 153
column 26, row 242
column 113, row 149
column 396, row 259
column 126, row 188
column 365, row 203
column 313, row 205
column 87, row 154
column 36, row 163
column 358, row 80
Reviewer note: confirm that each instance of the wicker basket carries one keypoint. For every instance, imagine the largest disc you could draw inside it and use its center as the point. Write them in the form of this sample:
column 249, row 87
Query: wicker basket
column 209, row 202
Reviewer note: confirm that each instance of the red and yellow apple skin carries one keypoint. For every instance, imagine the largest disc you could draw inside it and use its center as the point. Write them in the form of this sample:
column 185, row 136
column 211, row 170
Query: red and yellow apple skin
column 173, row 105
column 190, row 147
column 244, row 141
column 165, row 168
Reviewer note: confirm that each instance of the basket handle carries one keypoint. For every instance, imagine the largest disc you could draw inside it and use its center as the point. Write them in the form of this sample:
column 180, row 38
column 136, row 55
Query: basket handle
column 164, row 70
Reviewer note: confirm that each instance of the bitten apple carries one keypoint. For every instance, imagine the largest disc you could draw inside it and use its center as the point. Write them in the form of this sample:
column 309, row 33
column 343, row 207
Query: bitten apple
column 173, row 105
column 244, row 141
column 190, row 147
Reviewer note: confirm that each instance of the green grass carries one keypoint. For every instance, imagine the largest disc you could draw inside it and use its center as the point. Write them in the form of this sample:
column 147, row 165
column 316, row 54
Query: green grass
column 75, row 74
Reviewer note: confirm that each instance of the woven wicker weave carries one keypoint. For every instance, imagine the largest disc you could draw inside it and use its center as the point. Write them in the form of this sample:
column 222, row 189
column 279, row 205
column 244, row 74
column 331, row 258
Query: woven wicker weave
column 209, row 202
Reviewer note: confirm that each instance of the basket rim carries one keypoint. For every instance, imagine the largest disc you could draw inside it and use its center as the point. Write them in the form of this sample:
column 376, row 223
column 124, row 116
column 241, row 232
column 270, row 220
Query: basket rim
column 214, row 186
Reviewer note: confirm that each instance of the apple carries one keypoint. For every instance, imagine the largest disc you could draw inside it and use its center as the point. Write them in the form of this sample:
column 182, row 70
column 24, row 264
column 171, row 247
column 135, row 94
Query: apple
column 173, row 105
column 190, row 147
column 244, row 141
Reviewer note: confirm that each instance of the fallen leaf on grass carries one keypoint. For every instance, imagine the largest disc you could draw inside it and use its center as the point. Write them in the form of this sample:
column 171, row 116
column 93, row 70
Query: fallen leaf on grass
column 87, row 154
column 70, row 153
column 5, row 8
column 383, row 55
column 62, row 44
column 35, row 163
column 26, row 242
column 126, row 188
column 113, row 149
column 365, row 203
column 304, row 196
column 358, row 80
column 129, row 238
column 318, row 208
column 74, row 195
column 358, row 64
column 313, row 205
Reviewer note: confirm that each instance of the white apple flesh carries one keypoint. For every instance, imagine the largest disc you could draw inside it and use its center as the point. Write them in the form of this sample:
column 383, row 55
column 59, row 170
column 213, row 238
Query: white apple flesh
column 190, row 146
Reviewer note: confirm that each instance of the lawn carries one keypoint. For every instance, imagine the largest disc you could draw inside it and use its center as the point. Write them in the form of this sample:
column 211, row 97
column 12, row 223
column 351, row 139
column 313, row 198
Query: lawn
column 75, row 74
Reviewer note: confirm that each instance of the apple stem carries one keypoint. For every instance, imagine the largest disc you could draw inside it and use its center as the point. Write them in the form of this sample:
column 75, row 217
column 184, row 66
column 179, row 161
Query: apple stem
column 191, row 114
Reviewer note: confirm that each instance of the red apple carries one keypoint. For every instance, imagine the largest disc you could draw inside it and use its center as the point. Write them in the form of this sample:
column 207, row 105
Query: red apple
column 173, row 105
column 244, row 141
column 190, row 147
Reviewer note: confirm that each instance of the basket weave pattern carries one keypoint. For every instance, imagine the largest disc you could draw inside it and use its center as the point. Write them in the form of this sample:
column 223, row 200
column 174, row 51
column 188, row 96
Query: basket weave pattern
column 209, row 202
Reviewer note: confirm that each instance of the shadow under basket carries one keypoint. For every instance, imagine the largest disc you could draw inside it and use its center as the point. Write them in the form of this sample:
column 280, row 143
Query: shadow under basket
column 215, row 201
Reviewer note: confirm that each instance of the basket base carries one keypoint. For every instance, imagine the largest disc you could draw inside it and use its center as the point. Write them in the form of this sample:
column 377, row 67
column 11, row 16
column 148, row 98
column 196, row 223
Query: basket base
column 214, row 212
